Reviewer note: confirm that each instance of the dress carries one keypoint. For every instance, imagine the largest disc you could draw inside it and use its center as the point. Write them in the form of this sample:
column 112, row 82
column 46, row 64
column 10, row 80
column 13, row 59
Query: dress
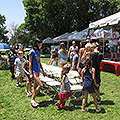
column 88, row 85
column 62, row 95
column 63, row 58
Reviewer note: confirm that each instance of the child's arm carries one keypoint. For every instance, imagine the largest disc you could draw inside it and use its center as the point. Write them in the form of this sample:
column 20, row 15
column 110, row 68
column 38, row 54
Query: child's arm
column 42, row 69
column 51, row 62
column 30, row 66
column 93, row 77
column 73, row 63
column 25, row 69
column 59, row 57
column 63, row 83
column 84, row 55
column 82, row 74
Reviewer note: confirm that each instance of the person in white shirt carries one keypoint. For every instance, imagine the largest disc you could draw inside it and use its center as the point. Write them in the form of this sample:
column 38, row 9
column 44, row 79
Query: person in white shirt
column 114, row 37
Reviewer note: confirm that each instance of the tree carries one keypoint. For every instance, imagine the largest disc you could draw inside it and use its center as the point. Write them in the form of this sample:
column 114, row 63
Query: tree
column 23, row 36
column 51, row 18
column 12, row 30
column 3, row 31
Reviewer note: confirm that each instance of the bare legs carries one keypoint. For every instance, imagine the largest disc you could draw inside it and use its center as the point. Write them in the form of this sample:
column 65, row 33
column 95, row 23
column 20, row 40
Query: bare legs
column 36, row 88
column 85, row 98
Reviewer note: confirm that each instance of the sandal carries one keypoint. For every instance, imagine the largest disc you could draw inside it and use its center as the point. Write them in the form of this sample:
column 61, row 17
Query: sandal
column 98, row 110
column 86, row 110
column 34, row 105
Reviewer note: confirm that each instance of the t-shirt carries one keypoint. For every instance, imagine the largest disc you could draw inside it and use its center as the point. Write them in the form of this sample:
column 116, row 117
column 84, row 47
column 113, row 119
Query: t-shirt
column 114, row 35
column 63, row 58
column 35, row 60
column 75, row 59
column 12, row 57
column 19, row 62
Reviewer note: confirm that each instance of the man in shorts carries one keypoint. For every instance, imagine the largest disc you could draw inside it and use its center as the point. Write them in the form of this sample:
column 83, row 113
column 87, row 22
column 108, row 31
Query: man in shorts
column 114, row 37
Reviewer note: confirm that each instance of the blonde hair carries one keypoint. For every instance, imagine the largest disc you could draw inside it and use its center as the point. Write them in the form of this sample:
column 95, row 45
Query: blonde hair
column 62, row 47
column 88, row 61
column 88, row 46
column 65, row 69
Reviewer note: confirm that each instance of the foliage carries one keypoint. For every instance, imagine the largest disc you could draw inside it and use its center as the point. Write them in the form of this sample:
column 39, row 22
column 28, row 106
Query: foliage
column 3, row 30
column 22, row 35
column 51, row 18
column 12, row 30
column 15, row 105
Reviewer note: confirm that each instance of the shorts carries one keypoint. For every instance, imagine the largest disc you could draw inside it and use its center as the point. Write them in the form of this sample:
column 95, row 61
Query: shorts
column 19, row 73
column 36, row 73
column 113, row 48
column 71, row 55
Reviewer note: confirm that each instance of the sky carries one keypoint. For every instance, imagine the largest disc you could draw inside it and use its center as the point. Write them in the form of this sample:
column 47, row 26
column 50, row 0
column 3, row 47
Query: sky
column 13, row 11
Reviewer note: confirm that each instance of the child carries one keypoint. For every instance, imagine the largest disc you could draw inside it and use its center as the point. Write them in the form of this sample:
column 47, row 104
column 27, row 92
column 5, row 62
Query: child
column 52, row 52
column 88, row 78
column 54, row 60
column 19, row 68
column 11, row 60
column 65, row 92
column 75, row 60
column 29, row 81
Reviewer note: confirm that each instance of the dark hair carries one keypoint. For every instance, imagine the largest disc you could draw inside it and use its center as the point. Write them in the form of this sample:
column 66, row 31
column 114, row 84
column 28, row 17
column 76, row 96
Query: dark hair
column 35, row 46
column 88, row 61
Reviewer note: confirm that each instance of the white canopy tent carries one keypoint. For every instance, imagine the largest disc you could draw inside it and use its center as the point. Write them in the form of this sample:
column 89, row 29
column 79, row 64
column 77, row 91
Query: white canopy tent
column 48, row 40
column 107, row 22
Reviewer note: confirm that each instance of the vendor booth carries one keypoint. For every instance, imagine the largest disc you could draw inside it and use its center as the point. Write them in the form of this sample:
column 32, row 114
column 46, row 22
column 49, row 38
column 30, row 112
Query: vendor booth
column 107, row 23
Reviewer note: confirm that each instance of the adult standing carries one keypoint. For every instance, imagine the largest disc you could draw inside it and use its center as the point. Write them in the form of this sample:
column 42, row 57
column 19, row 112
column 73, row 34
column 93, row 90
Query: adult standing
column 97, row 58
column 80, row 64
column 71, row 51
column 34, row 66
column 114, row 37
column 62, row 55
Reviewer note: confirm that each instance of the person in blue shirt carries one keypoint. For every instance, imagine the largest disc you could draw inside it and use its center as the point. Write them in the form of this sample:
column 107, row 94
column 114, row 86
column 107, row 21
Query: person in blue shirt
column 62, row 55
column 34, row 67
column 54, row 60
column 75, row 60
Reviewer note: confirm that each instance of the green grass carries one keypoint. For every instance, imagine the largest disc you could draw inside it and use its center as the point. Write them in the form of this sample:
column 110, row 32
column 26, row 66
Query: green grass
column 15, row 105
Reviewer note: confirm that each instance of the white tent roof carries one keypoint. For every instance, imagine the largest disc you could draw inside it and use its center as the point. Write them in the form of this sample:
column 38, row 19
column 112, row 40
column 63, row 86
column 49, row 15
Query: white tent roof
column 107, row 22
column 80, row 35
column 101, row 33
column 48, row 40
column 64, row 37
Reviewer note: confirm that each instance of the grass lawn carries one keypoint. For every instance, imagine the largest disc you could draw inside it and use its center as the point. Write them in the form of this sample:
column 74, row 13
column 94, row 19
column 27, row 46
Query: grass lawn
column 15, row 105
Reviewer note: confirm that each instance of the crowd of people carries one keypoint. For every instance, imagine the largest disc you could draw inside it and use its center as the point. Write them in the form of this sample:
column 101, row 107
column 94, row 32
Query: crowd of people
column 86, row 61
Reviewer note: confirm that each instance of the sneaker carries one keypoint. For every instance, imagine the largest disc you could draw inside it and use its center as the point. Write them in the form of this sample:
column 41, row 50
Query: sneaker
column 86, row 110
column 58, row 105
column 11, row 78
column 28, row 94
column 20, row 85
column 17, row 84
column 99, row 100
column 98, row 111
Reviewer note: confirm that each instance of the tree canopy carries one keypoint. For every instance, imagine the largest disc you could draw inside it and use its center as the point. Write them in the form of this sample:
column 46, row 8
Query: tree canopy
column 3, row 31
column 51, row 18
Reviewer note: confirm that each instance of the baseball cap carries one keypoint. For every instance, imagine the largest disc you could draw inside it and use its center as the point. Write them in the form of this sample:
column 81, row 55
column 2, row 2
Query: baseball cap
column 73, row 42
